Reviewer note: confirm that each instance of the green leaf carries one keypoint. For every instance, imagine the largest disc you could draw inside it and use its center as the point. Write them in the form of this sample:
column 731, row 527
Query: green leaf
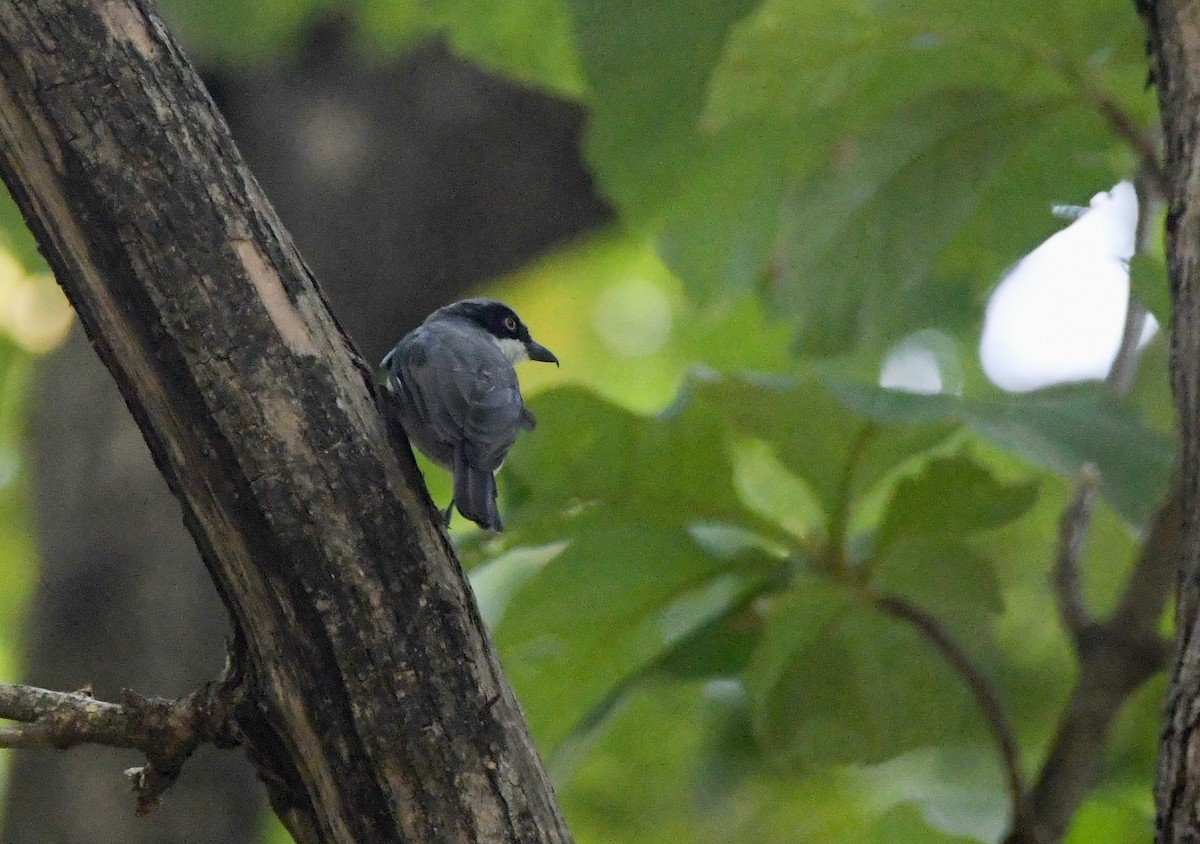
column 721, row 647
column 956, row 585
column 591, row 460
column 838, row 454
column 495, row 582
column 905, row 822
column 793, row 57
column 713, row 197
column 834, row 681
column 770, row 490
column 720, row 232
column 1111, row 822
column 530, row 41
column 957, row 790
column 784, row 677
column 608, row 606
column 862, row 236
column 649, row 66
column 634, row 780
column 950, row 497
column 1058, row 430
column 910, row 134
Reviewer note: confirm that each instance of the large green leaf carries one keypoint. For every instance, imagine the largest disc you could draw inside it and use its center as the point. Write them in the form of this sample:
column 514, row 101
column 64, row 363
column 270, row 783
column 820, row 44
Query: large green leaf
column 839, row 454
column 720, row 231
column 660, row 771
column 527, row 40
column 614, row 601
column 957, row 790
column 860, row 238
column 1112, row 821
column 1059, row 430
column 713, row 197
column 593, row 461
column 648, row 65
column 793, row 57
column 866, row 165
column 956, row 586
column 950, row 497
column 836, row 681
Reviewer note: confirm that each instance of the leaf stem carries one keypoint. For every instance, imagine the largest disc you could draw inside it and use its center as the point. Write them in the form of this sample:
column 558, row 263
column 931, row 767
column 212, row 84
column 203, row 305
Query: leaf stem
column 984, row 692
column 839, row 519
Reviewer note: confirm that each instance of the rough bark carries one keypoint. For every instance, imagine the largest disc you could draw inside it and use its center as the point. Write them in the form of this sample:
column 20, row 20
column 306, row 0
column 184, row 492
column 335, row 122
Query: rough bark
column 380, row 713
column 1174, row 42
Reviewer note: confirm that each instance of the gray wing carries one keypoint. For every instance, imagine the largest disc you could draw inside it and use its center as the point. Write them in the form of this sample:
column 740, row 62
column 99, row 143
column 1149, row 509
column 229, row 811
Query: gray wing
column 424, row 412
column 495, row 413
column 457, row 392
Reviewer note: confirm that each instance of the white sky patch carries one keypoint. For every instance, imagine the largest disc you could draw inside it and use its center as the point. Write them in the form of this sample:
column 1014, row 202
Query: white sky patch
column 1058, row 315
column 912, row 370
column 925, row 362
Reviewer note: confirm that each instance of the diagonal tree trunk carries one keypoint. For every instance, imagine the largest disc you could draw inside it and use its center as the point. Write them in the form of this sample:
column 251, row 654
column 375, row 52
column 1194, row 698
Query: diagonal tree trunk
column 429, row 137
column 374, row 706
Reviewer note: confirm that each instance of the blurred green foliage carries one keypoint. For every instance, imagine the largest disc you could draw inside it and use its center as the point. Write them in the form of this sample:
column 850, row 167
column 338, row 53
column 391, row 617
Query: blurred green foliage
column 688, row 601
column 34, row 318
column 688, row 598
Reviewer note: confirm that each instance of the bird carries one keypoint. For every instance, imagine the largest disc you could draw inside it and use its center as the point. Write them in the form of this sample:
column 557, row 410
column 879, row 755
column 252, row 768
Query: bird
column 458, row 397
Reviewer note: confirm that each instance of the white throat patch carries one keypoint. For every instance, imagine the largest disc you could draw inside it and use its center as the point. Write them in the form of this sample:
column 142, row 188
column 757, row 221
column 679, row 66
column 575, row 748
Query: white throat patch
column 512, row 349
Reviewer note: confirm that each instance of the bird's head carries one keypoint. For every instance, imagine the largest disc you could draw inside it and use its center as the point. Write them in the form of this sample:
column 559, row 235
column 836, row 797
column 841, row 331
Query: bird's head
column 504, row 327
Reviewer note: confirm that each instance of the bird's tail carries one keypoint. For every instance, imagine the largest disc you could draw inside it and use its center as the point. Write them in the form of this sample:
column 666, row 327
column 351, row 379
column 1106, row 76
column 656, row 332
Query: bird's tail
column 475, row 494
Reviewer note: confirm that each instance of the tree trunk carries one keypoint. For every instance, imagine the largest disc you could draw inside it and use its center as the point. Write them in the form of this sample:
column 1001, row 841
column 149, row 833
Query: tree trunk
column 437, row 160
column 1174, row 43
column 375, row 707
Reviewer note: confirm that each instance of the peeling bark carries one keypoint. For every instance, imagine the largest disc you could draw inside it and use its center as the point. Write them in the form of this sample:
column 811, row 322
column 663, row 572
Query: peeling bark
column 379, row 711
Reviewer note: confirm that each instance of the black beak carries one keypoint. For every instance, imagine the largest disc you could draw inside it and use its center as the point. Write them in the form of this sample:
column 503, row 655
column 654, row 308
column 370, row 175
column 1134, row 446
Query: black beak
column 537, row 351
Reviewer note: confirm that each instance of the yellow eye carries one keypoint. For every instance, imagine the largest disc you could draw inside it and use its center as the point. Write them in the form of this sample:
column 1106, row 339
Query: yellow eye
column 510, row 323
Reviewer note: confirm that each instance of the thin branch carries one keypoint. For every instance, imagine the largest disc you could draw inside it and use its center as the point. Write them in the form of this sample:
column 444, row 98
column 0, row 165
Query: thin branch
column 166, row 731
column 1149, row 195
column 1117, row 655
column 1072, row 532
column 1120, row 653
column 1142, row 142
column 987, row 698
column 1076, row 518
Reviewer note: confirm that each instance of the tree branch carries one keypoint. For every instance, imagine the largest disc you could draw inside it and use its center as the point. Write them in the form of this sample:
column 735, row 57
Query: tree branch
column 1174, row 45
column 166, row 731
column 1119, row 654
column 987, row 698
column 1139, row 140
column 1072, row 533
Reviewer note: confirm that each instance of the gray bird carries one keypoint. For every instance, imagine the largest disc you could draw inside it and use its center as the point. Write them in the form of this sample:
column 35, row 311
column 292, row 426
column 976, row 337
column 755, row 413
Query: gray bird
column 459, row 399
